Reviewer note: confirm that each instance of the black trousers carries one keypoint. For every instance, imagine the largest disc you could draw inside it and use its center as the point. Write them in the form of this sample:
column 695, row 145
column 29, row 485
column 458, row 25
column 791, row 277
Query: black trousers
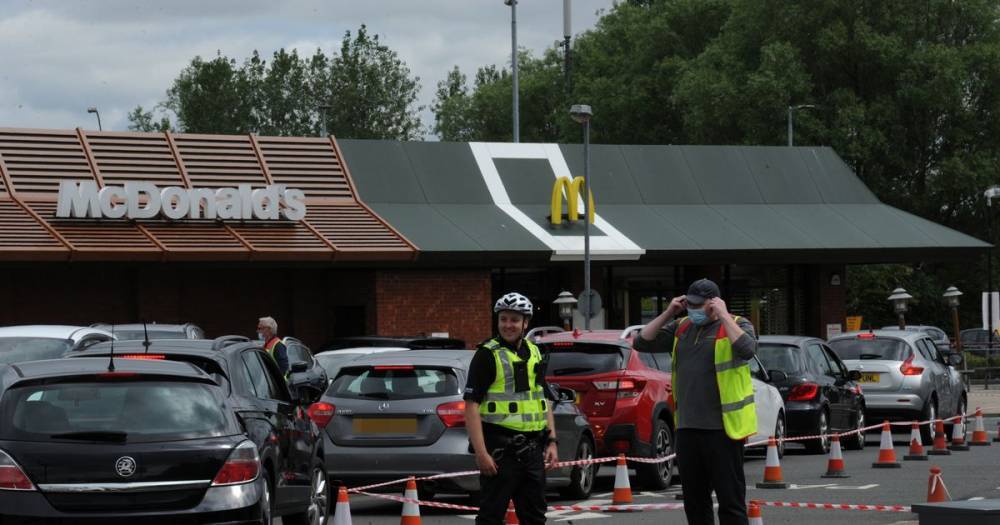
column 524, row 482
column 708, row 460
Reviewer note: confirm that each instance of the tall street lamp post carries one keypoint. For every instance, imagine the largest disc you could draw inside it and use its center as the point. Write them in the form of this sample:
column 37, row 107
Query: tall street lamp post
column 899, row 298
column 951, row 296
column 513, row 64
column 567, row 33
column 581, row 113
column 322, row 112
column 990, row 193
column 93, row 110
column 791, row 109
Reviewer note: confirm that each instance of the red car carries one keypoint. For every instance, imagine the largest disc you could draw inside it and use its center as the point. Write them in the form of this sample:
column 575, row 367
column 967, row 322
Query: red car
column 623, row 393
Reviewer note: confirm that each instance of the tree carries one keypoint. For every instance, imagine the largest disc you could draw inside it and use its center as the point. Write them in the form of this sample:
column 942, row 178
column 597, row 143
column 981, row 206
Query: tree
column 141, row 120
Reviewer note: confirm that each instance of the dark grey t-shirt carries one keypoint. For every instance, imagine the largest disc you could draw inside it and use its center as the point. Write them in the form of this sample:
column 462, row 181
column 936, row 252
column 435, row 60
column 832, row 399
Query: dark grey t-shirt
column 697, row 391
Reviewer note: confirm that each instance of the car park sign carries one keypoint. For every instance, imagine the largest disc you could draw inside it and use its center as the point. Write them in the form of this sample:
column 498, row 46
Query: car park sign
column 145, row 200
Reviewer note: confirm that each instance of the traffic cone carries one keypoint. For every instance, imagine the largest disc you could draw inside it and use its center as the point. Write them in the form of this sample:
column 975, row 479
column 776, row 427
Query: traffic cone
column 940, row 447
column 511, row 517
column 342, row 512
column 623, row 491
column 753, row 513
column 835, row 465
column 958, row 435
column 411, row 511
column 997, row 439
column 772, row 468
column 979, row 437
column 916, row 446
column 886, row 453
column 936, row 491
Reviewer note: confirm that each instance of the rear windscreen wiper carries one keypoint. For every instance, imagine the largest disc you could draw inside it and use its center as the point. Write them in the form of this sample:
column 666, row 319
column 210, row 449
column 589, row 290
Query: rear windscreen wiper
column 376, row 395
column 93, row 435
column 572, row 370
column 870, row 356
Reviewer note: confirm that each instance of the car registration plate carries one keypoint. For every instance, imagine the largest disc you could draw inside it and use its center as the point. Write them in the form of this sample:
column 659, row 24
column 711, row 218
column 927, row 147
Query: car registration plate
column 384, row 425
column 869, row 377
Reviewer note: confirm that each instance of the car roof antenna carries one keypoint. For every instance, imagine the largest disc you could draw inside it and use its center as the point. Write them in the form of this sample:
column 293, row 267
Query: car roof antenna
column 145, row 337
column 111, row 363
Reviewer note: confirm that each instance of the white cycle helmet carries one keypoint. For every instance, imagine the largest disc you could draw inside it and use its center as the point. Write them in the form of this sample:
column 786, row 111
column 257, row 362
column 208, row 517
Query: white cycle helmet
column 514, row 302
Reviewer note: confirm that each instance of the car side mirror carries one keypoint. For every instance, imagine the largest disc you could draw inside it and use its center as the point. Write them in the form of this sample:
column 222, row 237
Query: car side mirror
column 777, row 376
column 299, row 367
column 955, row 358
column 854, row 375
column 567, row 395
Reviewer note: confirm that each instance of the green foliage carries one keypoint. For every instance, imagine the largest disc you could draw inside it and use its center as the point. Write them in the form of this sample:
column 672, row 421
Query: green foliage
column 142, row 120
column 367, row 89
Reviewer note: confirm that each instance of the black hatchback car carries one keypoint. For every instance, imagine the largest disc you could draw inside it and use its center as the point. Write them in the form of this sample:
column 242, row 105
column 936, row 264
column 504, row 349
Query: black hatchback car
column 142, row 442
column 272, row 412
column 821, row 396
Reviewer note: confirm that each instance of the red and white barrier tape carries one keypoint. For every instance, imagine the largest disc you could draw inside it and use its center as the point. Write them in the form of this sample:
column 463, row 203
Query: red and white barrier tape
column 834, row 506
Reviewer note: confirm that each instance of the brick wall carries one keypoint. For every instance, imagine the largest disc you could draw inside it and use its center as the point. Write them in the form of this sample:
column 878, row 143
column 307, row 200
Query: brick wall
column 830, row 299
column 415, row 302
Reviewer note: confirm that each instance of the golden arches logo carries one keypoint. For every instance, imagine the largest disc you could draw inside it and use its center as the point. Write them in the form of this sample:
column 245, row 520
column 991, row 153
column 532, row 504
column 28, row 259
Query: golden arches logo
column 572, row 189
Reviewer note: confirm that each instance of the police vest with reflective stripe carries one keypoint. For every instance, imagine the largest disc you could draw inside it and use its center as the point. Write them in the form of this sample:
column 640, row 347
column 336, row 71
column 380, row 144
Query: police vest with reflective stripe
column 518, row 411
column 739, row 413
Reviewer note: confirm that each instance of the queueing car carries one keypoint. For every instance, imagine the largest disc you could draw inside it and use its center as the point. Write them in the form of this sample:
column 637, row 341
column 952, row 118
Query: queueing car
column 394, row 341
column 904, row 376
column 333, row 360
column 821, row 396
column 142, row 442
column 397, row 414
column 314, row 374
column 36, row 342
column 133, row 331
column 625, row 394
column 271, row 411
column 939, row 336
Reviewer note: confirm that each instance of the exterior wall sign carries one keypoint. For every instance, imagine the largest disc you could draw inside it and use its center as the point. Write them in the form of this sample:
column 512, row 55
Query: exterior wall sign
column 572, row 190
column 144, row 200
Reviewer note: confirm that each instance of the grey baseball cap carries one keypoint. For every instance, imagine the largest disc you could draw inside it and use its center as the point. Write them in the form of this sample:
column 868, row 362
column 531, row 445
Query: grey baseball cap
column 701, row 291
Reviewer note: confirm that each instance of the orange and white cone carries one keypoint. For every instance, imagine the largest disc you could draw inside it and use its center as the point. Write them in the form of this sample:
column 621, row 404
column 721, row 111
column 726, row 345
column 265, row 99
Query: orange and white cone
column 886, row 452
column 940, row 447
column 936, row 491
column 623, row 491
column 772, row 468
column 411, row 511
column 835, row 465
column 342, row 512
column 916, row 446
column 511, row 517
column 753, row 513
column 979, row 437
column 958, row 435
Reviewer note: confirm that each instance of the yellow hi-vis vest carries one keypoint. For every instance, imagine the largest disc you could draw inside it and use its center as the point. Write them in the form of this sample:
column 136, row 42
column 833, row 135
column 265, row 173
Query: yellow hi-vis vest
column 739, row 413
column 518, row 411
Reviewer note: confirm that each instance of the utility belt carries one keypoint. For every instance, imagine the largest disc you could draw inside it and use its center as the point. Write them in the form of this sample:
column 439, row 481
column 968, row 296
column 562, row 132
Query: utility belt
column 525, row 447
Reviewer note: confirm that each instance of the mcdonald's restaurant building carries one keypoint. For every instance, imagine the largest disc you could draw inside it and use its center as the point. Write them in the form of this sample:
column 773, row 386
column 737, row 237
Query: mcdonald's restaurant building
column 350, row 237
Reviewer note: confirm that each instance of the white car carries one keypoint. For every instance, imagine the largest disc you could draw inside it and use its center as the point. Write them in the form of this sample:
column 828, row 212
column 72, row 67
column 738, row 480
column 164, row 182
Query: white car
column 333, row 360
column 770, row 408
column 34, row 342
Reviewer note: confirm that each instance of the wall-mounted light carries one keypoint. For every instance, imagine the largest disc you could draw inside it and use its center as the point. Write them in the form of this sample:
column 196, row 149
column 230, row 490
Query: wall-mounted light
column 835, row 279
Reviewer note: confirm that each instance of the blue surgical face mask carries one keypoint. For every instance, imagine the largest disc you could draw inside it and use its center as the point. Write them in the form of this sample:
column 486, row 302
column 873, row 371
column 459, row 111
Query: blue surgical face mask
column 697, row 316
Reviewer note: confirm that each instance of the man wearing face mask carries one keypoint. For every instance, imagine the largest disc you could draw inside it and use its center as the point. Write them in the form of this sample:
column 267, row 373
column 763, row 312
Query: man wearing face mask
column 713, row 402
column 267, row 333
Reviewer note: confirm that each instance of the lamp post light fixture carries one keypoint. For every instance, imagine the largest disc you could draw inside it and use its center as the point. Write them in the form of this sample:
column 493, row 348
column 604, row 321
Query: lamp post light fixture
column 565, row 302
column 323, row 108
column 792, row 109
column 951, row 296
column 93, row 110
column 899, row 298
column 513, row 65
column 581, row 113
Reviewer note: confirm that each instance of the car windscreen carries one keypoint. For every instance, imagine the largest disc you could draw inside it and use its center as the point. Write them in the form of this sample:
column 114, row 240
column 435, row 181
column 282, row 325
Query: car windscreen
column 20, row 349
column 780, row 357
column 138, row 335
column 117, row 411
column 394, row 382
column 884, row 348
column 575, row 359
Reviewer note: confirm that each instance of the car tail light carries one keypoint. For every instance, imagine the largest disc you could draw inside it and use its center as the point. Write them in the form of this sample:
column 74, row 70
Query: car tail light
column 11, row 475
column 627, row 388
column 452, row 414
column 151, row 357
column 563, row 343
column 908, row 369
column 867, row 336
column 243, row 466
column 803, row 392
column 321, row 413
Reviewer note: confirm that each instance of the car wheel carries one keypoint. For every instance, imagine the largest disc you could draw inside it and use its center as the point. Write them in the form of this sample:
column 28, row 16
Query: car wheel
column 657, row 476
column 779, row 434
column 960, row 409
column 820, row 445
column 582, row 476
column 857, row 440
column 319, row 501
column 266, row 501
column 928, row 414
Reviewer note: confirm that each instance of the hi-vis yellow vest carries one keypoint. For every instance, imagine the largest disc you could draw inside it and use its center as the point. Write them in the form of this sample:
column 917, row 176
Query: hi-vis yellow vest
column 739, row 413
column 518, row 411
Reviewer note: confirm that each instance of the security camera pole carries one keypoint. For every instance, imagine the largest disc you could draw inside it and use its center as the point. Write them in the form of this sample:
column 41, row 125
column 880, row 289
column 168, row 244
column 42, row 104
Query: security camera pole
column 513, row 64
column 582, row 113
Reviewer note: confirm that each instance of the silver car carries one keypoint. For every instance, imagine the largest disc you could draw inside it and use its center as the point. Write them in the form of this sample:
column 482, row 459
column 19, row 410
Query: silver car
column 44, row 341
column 396, row 414
column 904, row 376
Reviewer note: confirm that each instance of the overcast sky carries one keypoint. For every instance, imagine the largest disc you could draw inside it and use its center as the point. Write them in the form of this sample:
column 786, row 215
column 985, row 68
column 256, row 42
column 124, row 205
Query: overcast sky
column 60, row 56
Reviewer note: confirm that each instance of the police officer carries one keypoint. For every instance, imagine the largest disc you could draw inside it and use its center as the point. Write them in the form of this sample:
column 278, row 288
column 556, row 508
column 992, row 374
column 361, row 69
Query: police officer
column 510, row 423
column 267, row 331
